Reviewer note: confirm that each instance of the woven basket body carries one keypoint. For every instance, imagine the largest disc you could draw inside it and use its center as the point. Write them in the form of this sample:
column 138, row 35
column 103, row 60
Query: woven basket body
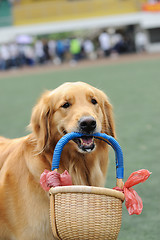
column 82, row 212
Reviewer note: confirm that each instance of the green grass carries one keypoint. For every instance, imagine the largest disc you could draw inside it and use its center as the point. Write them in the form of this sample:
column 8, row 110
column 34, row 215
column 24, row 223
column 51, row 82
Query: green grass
column 134, row 90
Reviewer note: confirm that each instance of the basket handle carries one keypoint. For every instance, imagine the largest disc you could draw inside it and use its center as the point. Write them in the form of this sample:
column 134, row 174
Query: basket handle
column 102, row 136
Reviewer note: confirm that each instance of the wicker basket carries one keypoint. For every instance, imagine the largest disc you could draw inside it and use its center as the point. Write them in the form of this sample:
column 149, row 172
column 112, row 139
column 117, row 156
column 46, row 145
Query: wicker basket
column 82, row 212
column 85, row 212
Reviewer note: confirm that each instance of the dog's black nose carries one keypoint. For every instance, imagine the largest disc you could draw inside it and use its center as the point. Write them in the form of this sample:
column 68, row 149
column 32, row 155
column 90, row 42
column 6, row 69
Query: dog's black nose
column 87, row 124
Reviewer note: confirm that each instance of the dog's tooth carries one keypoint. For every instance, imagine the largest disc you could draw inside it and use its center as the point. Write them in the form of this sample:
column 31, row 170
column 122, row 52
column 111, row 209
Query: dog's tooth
column 85, row 143
column 88, row 150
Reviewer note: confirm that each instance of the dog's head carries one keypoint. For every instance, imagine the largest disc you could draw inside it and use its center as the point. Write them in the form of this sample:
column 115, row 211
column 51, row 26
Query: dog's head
column 71, row 107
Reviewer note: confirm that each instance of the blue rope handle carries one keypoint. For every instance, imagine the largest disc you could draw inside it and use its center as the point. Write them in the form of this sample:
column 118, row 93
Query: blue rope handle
column 102, row 136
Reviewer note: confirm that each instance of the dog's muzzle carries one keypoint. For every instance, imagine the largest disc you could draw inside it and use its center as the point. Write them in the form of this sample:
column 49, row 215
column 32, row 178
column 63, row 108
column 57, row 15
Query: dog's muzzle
column 87, row 125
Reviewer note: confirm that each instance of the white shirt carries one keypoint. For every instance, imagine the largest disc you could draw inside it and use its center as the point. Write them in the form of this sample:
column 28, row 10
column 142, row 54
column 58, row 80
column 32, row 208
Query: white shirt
column 5, row 54
column 39, row 49
column 104, row 40
column 140, row 39
column 88, row 46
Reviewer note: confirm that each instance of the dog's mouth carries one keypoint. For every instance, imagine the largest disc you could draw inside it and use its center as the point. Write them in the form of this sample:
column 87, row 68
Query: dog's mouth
column 85, row 143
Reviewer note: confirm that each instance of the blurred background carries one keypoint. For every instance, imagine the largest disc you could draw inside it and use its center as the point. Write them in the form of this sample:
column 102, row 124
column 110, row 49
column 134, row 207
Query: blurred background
column 113, row 45
column 34, row 32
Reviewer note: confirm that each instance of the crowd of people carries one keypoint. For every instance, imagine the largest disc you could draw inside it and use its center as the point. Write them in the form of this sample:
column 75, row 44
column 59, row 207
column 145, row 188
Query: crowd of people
column 16, row 55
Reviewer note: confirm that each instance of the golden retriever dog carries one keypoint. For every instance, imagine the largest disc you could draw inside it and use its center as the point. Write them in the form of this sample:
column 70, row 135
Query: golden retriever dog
column 24, row 205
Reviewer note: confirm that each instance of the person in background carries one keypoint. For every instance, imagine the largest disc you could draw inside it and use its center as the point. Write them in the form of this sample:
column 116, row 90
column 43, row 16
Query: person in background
column 140, row 41
column 29, row 55
column 46, row 50
column 39, row 52
column 14, row 54
column 105, row 43
column 88, row 47
column 52, row 49
column 5, row 57
column 75, row 49
column 60, row 51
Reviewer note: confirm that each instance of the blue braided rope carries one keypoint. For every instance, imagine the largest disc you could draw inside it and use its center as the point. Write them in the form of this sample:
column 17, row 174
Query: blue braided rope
column 101, row 136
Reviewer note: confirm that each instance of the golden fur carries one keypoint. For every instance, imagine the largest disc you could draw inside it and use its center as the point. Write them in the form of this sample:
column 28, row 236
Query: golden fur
column 24, row 205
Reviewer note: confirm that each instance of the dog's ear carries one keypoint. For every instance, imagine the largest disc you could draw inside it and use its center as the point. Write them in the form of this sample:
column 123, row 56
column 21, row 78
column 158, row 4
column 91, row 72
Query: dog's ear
column 108, row 124
column 40, row 122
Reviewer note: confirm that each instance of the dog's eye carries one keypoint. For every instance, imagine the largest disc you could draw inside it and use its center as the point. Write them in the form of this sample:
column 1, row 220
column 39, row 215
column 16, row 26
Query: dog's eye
column 94, row 101
column 66, row 105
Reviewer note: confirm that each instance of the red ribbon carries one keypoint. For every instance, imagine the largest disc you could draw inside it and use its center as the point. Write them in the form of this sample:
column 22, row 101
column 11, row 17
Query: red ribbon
column 133, row 201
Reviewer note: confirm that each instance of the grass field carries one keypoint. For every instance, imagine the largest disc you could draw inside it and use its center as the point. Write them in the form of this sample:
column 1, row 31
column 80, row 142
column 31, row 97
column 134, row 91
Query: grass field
column 134, row 90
